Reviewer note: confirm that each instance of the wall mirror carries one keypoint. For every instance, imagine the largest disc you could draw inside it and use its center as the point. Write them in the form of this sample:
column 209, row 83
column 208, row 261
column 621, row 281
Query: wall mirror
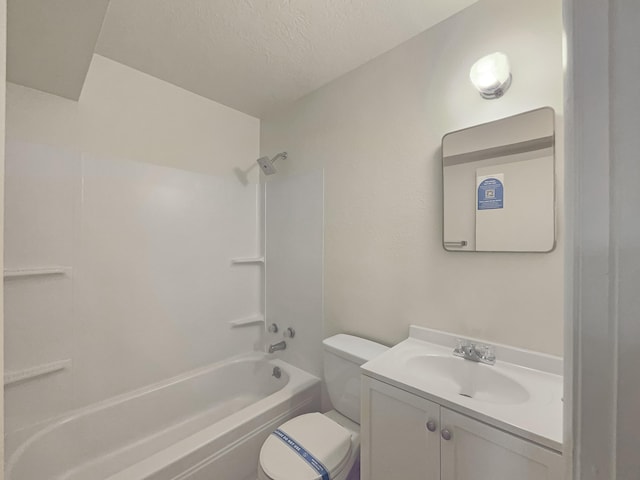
column 499, row 185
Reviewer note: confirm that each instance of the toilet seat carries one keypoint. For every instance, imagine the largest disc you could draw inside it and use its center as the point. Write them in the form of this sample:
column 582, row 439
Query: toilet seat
column 326, row 440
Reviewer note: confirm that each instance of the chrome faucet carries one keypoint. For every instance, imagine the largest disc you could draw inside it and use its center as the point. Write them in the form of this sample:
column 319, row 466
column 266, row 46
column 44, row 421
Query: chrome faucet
column 476, row 352
column 277, row 346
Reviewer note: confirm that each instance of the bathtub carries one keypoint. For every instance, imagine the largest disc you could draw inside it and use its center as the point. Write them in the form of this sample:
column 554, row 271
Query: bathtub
column 208, row 424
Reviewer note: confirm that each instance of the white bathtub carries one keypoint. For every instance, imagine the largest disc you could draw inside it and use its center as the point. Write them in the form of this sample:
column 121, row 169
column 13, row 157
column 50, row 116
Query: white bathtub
column 208, row 424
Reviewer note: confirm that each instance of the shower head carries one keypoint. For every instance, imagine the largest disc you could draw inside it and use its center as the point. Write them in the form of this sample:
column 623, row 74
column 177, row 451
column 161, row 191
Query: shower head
column 266, row 164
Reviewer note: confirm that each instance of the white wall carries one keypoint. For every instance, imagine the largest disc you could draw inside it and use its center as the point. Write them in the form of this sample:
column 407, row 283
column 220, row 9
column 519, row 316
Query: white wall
column 134, row 189
column 3, row 63
column 377, row 133
column 124, row 113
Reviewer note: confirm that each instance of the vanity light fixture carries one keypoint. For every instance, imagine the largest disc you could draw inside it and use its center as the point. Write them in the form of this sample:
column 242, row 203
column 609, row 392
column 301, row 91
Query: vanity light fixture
column 491, row 75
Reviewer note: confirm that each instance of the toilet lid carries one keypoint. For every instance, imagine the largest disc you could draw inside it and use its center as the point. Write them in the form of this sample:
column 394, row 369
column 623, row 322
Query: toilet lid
column 323, row 438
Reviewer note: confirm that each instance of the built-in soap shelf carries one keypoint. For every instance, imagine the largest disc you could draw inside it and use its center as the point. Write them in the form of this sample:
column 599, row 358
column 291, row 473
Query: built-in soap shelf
column 245, row 322
column 256, row 319
column 10, row 273
column 247, row 260
column 19, row 376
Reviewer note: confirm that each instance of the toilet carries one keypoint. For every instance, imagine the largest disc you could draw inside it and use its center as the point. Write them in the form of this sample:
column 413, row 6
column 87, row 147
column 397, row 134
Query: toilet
column 317, row 446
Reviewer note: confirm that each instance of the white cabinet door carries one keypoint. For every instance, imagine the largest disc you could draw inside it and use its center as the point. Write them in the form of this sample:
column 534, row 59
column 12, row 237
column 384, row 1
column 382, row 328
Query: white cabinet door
column 476, row 450
column 396, row 441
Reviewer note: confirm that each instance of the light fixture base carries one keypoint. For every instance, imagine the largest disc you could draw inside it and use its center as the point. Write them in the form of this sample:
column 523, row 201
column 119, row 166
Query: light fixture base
column 498, row 92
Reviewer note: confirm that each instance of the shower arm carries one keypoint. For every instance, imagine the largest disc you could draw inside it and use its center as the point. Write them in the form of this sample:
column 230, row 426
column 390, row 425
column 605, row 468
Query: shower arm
column 279, row 156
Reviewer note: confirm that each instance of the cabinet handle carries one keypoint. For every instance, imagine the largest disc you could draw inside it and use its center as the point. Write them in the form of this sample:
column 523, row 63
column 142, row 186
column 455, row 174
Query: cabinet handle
column 431, row 426
column 446, row 434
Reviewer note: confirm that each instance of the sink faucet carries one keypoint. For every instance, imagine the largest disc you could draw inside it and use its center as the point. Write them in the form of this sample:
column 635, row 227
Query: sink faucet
column 476, row 352
column 277, row 346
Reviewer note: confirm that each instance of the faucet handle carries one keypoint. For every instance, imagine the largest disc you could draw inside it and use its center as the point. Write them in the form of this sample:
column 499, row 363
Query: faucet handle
column 460, row 347
column 487, row 353
column 273, row 328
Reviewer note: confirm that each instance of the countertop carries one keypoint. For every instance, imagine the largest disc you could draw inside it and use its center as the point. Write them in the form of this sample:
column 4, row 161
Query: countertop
column 536, row 417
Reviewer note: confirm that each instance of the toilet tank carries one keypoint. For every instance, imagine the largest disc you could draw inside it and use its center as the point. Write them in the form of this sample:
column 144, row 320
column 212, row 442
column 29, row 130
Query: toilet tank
column 343, row 356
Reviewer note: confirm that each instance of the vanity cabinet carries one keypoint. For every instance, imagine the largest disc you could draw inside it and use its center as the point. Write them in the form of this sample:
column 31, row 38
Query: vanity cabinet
column 406, row 436
column 395, row 437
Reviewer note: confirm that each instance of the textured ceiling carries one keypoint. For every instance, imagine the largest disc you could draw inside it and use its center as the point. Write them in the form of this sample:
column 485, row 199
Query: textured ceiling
column 253, row 55
column 50, row 43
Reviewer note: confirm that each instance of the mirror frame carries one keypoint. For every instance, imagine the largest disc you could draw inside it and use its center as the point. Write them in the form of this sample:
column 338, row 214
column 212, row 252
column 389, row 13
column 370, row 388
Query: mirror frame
column 555, row 193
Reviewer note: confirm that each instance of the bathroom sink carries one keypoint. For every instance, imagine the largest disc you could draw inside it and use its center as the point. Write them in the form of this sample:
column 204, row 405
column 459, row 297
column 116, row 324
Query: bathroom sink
column 521, row 393
column 483, row 383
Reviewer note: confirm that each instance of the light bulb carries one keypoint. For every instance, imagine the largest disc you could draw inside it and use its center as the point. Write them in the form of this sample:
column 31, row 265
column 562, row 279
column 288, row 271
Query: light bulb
column 491, row 75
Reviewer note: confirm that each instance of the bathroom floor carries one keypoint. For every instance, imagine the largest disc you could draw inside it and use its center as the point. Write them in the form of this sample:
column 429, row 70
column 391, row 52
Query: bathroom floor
column 354, row 475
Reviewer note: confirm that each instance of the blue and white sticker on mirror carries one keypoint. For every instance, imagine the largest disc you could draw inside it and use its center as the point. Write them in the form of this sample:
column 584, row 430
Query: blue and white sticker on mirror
column 490, row 191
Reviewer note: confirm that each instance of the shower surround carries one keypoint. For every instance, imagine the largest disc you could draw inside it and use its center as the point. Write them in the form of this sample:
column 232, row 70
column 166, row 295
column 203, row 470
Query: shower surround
column 146, row 286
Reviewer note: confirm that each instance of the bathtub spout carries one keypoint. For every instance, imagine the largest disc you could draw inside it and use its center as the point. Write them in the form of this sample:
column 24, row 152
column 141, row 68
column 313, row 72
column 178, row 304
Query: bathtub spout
column 277, row 346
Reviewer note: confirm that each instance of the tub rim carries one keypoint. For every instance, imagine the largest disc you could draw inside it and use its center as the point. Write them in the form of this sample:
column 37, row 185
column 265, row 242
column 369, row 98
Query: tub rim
column 298, row 381
column 153, row 464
